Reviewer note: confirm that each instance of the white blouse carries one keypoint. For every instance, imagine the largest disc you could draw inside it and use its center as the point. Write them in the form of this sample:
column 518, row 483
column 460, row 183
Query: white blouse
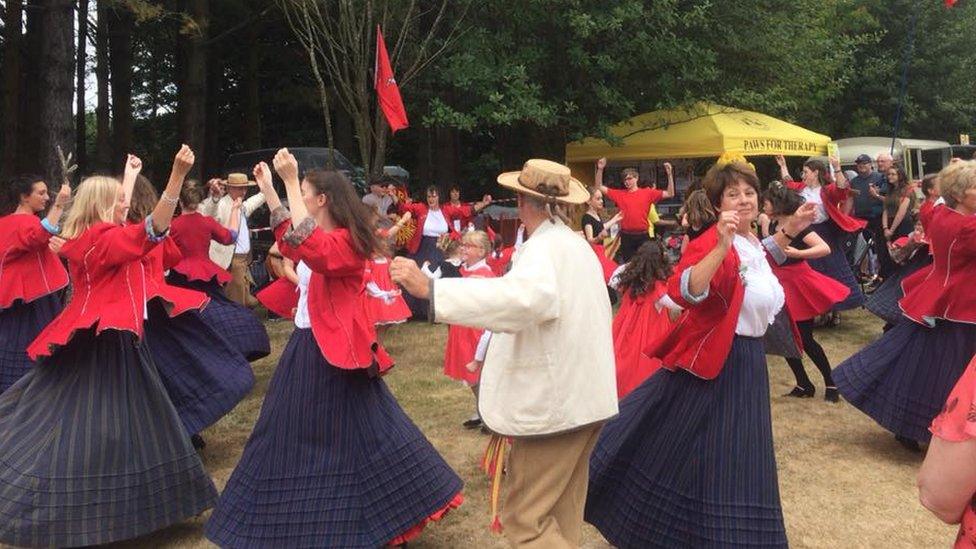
column 435, row 224
column 813, row 195
column 302, row 319
column 763, row 294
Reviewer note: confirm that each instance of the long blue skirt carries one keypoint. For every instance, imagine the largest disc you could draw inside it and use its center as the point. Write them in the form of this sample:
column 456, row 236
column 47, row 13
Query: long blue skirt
column 902, row 379
column 236, row 323
column 204, row 376
column 689, row 462
column 428, row 251
column 884, row 301
column 333, row 461
column 92, row 451
column 836, row 265
column 19, row 326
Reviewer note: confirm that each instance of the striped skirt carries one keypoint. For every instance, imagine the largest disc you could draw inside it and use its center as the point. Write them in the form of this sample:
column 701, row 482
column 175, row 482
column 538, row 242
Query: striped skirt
column 779, row 340
column 333, row 461
column 884, row 301
column 236, row 323
column 204, row 376
column 902, row 379
column 836, row 265
column 689, row 462
column 19, row 326
column 92, row 451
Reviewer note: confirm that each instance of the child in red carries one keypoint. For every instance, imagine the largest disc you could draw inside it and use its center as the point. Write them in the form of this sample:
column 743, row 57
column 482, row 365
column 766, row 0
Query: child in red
column 384, row 302
column 462, row 342
column 646, row 314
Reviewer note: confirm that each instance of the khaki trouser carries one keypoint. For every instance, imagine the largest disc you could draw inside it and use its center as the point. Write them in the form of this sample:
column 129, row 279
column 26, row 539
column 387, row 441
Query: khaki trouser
column 545, row 489
column 239, row 287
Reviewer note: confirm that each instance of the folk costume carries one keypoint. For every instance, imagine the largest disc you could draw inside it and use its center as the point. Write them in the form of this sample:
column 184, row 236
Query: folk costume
column 384, row 300
column 902, row 379
column 333, row 460
column 911, row 255
column 689, row 461
column 109, row 458
column 833, row 226
column 31, row 277
column 640, row 321
column 462, row 341
column 422, row 246
column 193, row 233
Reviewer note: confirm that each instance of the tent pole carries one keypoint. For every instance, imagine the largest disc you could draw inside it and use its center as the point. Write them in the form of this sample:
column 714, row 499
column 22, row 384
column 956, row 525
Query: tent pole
column 909, row 51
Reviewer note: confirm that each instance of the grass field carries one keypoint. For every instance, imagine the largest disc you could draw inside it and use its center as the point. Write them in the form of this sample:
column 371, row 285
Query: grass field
column 844, row 481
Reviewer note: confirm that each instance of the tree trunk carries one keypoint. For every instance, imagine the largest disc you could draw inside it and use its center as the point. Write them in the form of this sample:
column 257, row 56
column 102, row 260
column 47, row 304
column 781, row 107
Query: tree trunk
column 103, row 131
column 56, row 87
column 251, row 131
column 13, row 18
column 120, row 26
column 192, row 92
column 28, row 147
column 212, row 162
column 81, row 123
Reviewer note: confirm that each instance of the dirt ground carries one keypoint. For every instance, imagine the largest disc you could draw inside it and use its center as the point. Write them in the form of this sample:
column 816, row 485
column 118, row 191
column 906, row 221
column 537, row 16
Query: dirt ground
column 844, row 481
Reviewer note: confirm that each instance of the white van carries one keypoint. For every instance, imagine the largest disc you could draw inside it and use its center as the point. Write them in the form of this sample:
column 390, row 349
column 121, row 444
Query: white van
column 919, row 157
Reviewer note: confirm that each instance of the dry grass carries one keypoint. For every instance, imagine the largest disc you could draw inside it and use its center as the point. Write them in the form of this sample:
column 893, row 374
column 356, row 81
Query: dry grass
column 844, row 481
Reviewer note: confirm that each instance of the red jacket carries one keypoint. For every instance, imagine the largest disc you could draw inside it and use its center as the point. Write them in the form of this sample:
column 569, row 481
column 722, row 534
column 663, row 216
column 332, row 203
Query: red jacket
column 108, row 280
column 192, row 233
column 945, row 289
column 337, row 310
column 176, row 300
column 702, row 338
column 462, row 213
column 832, row 196
column 28, row 268
column 419, row 212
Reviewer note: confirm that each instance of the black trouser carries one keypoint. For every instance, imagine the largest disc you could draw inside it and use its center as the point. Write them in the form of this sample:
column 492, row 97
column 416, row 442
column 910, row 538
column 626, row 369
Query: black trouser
column 886, row 265
column 630, row 241
column 816, row 354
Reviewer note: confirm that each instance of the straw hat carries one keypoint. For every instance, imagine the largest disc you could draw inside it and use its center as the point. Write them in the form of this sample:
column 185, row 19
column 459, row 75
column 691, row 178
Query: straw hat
column 238, row 180
column 546, row 179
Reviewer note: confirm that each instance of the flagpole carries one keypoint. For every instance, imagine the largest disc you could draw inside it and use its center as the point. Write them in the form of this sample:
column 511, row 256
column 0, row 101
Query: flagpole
column 909, row 52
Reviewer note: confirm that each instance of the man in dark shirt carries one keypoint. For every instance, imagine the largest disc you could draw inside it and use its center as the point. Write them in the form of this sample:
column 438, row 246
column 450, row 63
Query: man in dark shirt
column 869, row 188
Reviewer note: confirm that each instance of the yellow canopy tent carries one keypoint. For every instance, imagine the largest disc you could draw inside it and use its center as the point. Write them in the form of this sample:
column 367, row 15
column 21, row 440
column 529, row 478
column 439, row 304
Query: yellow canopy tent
column 700, row 130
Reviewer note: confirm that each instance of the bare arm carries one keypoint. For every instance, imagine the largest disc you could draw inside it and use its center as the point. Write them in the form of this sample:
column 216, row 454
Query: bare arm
column 840, row 179
column 262, row 175
column 598, row 175
column 784, row 171
column 133, row 165
column 287, row 168
column 817, row 248
column 288, row 271
column 947, row 478
column 669, row 192
column 162, row 214
column 901, row 213
column 234, row 224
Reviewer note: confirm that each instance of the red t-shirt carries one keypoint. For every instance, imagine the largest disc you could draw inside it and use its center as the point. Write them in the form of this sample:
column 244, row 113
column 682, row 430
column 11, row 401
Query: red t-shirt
column 635, row 205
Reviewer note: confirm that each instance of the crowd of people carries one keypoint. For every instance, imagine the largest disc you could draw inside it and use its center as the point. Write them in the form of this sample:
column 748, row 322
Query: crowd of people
column 128, row 328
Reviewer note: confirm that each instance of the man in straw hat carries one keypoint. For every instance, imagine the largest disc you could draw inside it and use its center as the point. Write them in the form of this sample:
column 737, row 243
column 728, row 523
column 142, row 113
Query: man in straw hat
column 236, row 257
column 548, row 380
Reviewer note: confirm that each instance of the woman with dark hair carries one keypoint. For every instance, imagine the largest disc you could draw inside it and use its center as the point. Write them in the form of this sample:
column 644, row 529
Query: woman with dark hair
column 646, row 314
column 808, row 293
column 204, row 374
column 333, row 460
column 689, row 461
column 31, row 275
column 830, row 222
column 192, row 233
column 462, row 213
column 902, row 379
column 896, row 219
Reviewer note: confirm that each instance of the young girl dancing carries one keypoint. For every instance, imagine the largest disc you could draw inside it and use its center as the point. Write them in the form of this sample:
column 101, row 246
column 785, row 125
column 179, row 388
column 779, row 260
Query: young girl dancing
column 333, row 460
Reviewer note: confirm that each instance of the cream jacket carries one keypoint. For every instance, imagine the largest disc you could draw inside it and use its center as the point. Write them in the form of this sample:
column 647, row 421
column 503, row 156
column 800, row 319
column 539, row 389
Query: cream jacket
column 220, row 210
column 550, row 363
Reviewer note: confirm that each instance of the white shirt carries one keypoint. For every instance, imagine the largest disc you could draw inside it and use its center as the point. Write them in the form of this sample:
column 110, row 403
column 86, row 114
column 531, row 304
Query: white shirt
column 302, row 319
column 814, row 196
column 763, row 294
column 243, row 245
column 435, row 224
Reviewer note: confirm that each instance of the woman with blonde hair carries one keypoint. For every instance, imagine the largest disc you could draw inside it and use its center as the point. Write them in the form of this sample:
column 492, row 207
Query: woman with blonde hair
column 903, row 378
column 93, row 450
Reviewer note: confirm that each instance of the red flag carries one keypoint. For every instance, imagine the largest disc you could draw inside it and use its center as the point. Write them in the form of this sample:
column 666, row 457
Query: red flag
column 387, row 92
column 950, row 3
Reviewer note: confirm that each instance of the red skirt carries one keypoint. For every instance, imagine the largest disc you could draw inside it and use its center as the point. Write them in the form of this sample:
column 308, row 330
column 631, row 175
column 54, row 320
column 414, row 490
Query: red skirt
column 379, row 310
column 637, row 324
column 280, row 297
column 608, row 265
column 808, row 293
column 462, row 342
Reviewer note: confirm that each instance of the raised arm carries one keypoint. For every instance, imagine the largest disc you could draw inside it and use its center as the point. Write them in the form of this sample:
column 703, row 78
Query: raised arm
column 840, row 179
column 598, row 176
column 287, row 168
column 701, row 274
column 162, row 214
column 669, row 170
column 133, row 165
column 262, row 175
column 784, row 170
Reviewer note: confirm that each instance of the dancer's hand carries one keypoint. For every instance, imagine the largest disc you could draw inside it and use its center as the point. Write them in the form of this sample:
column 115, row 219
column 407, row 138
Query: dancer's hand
column 405, row 272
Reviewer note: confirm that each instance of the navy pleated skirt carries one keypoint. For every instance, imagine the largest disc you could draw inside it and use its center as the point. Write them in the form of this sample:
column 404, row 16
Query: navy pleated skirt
column 204, row 376
column 428, row 251
column 884, row 301
column 902, row 379
column 689, row 462
column 236, row 323
column 836, row 265
column 92, row 451
column 19, row 326
column 333, row 461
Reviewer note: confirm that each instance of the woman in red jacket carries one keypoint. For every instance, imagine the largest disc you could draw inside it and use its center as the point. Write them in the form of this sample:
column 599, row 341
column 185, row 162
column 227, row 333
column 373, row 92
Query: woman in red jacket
column 902, row 379
column 93, row 450
column 832, row 224
column 31, row 275
column 192, row 233
column 333, row 460
column 689, row 461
